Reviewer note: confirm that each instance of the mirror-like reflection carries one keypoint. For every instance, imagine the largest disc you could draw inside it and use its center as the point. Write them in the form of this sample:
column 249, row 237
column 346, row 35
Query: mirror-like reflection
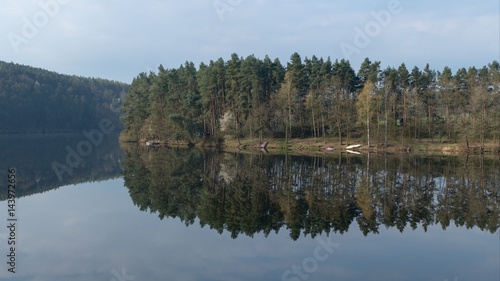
column 273, row 204
column 34, row 159
column 252, row 193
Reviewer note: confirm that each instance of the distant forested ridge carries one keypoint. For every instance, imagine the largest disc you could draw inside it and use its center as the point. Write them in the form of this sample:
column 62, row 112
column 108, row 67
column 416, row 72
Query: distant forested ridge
column 35, row 100
column 314, row 97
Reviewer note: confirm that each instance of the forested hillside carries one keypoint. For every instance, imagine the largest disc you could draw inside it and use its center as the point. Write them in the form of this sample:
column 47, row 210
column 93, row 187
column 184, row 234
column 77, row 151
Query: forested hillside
column 314, row 97
column 35, row 100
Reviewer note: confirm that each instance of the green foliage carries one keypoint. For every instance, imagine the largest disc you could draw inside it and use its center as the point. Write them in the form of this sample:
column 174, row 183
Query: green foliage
column 313, row 97
column 34, row 100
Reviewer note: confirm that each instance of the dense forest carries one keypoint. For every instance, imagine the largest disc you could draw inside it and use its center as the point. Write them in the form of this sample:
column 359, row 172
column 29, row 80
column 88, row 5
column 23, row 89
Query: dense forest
column 314, row 97
column 246, row 194
column 35, row 100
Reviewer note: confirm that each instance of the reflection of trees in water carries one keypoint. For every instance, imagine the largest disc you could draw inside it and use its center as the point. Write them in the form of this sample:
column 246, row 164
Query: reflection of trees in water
column 249, row 194
column 33, row 157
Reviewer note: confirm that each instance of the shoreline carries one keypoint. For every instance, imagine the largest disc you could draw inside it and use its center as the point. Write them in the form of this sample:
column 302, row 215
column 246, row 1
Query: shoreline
column 311, row 145
column 324, row 146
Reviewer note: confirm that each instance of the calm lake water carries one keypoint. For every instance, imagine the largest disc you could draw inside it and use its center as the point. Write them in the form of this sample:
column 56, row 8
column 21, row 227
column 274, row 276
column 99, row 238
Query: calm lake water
column 135, row 213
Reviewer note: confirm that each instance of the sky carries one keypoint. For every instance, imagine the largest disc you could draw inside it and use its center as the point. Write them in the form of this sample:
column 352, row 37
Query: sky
column 118, row 39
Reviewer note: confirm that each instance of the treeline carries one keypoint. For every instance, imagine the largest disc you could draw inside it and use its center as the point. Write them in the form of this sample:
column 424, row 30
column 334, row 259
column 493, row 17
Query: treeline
column 246, row 194
column 35, row 100
column 249, row 97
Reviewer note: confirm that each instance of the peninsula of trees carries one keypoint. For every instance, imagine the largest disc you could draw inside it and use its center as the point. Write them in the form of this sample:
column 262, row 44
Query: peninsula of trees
column 313, row 97
column 35, row 100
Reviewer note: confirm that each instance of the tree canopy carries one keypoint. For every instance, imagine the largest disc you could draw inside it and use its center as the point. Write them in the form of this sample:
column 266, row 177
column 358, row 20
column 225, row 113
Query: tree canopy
column 313, row 97
column 35, row 100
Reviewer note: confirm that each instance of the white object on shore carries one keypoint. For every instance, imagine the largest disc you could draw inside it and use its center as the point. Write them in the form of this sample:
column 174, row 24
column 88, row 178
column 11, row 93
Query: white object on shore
column 353, row 146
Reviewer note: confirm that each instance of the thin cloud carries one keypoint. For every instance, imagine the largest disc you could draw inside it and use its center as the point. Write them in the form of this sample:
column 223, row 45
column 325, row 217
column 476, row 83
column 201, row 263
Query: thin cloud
column 116, row 39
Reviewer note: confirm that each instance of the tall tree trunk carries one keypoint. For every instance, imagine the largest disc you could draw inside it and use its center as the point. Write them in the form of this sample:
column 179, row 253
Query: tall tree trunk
column 323, row 126
column 429, row 122
column 368, row 124
column 290, row 113
column 340, row 132
column 483, row 124
column 386, row 120
column 237, row 126
column 448, row 122
column 313, row 119
column 404, row 125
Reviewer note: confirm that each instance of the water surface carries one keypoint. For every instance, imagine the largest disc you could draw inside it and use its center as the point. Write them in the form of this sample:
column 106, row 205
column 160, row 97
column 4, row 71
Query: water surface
column 191, row 215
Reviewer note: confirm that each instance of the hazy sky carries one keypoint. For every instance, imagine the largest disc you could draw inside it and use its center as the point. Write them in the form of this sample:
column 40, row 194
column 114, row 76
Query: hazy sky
column 118, row 39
